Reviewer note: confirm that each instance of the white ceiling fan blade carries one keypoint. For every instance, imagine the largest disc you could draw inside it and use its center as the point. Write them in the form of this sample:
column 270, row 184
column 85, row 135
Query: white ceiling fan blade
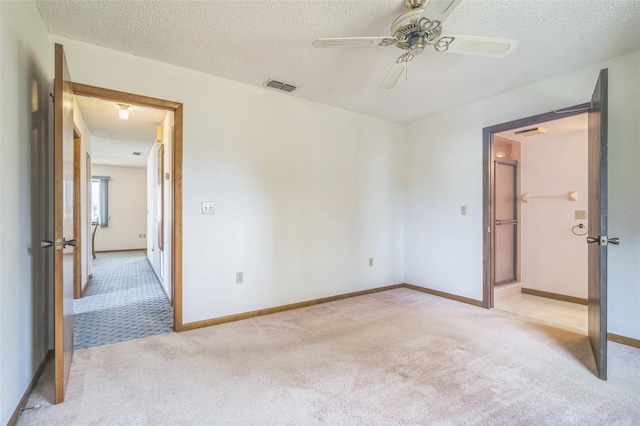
column 439, row 10
column 479, row 46
column 355, row 41
column 394, row 75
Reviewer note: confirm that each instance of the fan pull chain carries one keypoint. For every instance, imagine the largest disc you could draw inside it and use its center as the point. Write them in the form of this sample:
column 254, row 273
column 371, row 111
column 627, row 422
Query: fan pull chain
column 406, row 71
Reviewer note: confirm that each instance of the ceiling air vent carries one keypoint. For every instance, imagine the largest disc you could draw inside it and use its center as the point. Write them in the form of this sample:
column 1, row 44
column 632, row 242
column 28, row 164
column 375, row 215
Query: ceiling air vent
column 280, row 86
column 532, row 131
column 136, row 153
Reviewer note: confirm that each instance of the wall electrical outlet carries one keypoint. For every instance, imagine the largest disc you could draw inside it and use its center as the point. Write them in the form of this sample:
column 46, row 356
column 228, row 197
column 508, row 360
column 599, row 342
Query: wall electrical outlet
column 239, row 277
column 581, row 214
column 371, row 261
column 208, row 208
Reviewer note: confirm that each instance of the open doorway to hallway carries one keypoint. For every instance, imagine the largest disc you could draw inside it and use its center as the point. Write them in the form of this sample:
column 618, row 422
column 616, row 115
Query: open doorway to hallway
column 541, row 204
column 129, row 292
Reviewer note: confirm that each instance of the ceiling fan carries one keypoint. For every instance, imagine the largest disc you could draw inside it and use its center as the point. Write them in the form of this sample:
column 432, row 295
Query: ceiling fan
column 419, row 28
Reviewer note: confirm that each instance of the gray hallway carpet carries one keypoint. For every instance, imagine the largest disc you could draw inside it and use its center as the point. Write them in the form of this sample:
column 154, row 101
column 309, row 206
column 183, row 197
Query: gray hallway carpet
column 123, row 301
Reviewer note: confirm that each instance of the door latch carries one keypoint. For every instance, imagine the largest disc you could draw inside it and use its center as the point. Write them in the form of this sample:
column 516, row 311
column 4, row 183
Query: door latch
column 72, row 243
column 62, row 243
column 603, row 241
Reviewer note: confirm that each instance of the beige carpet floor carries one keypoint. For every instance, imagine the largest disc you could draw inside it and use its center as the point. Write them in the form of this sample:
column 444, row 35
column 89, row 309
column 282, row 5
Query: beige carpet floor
column 396, row 357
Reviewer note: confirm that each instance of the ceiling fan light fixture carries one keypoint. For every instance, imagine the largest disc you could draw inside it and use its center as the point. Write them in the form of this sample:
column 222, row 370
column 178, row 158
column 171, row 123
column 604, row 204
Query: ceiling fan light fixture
column 418, row 28
column 123, row 111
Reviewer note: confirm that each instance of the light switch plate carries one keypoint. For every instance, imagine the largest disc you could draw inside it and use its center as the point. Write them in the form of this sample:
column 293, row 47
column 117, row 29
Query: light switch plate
column 463, row 210
column 208, row 208
column 581, row 214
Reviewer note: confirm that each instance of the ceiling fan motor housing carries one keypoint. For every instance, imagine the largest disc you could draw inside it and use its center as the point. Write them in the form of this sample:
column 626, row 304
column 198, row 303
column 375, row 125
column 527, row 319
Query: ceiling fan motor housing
column 416, row 45
column 410, row 35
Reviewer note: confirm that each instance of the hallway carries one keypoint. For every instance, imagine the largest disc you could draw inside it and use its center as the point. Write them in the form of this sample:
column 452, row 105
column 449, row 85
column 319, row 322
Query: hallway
column 123, row 301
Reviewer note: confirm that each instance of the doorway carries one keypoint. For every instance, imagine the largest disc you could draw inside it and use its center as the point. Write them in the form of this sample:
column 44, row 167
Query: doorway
column 129, row 295
column 63, row 217
column 597, row 223
column 541, row 204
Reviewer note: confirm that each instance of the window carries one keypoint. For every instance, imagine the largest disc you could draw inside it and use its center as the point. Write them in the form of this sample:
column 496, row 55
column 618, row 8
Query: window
column 100, row 200
column 95, row 200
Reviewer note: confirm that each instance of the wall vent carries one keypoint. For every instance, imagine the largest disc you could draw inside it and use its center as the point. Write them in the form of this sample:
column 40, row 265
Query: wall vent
column 280, row 86
column 136, row 153
column 532, row 131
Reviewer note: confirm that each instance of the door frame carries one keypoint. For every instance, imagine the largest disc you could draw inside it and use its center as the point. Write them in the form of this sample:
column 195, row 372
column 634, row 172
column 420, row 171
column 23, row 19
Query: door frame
column 488, row 181
column 176, row 173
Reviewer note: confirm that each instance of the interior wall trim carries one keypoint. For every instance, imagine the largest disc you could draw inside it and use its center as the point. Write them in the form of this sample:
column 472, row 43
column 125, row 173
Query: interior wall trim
column 488, row 169
column 298, row 305
column 445, row 295
column 624, row 340
column 282, row 308
column 23, row 401
column 176, row 229
column 555, row 296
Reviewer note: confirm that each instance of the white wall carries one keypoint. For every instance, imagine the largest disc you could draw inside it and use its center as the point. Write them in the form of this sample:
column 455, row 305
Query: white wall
column 305, row 193
column 553, row 165
column 25, row 55
column 444, row 250
column 127, row 208
column 160, row 259
column 85, row 214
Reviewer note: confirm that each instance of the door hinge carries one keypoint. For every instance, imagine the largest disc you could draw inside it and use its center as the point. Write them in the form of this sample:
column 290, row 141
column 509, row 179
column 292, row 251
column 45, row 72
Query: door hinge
column 53, row 98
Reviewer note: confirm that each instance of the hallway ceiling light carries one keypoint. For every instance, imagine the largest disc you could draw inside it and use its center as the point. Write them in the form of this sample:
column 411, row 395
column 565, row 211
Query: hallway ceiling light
column 123, row 111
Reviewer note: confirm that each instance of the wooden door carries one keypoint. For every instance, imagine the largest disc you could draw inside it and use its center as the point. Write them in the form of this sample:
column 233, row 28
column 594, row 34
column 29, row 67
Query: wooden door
column 598, row 224
column 63, row 222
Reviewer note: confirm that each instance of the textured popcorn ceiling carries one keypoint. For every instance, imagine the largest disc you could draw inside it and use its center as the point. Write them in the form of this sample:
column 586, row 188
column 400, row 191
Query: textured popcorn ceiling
column 115, row 140
column 251, row 41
